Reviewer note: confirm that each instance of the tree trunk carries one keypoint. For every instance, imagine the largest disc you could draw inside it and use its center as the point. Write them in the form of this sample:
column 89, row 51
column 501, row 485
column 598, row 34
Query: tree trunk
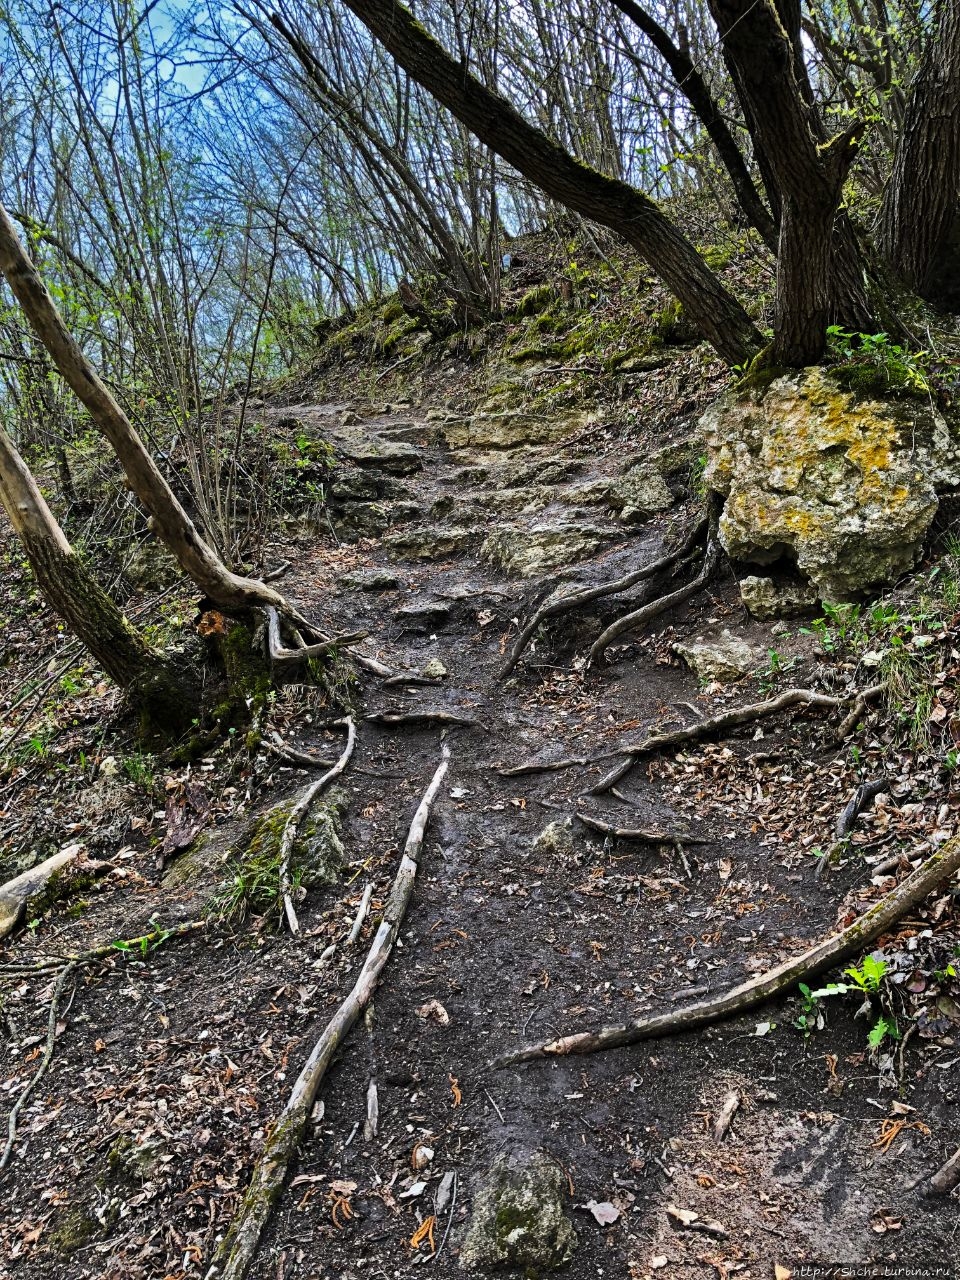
column 166, row 697
column 808, row 173
column 707, row 304
column 921, row 199
column 169, row 520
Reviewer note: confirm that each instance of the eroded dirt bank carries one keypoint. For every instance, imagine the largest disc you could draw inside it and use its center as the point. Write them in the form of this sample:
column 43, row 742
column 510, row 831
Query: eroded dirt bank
column 132, row 1155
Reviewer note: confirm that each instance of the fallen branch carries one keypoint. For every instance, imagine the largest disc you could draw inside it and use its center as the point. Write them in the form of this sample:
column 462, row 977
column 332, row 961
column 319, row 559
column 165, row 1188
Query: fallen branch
column 639, row 617
column 296, row 816
column 140, row 945
column 748, row 995
column 576, row 599
column 722, row 1123
column 16, row 893
column 726, row 720
column 648, row 835
column 42, row 1069
column 239, row 1247
column 946, row 1177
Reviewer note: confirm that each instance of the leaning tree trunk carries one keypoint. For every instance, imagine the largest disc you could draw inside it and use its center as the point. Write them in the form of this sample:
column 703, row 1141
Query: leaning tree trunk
column 807, row 171
column 165, row 697
column 614, row 204
column 921, row 199
column 168, row 519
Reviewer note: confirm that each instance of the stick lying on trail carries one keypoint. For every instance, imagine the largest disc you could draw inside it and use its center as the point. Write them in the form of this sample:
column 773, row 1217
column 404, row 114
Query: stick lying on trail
column 239, row 1247
column 574, row 599
column 823, row 955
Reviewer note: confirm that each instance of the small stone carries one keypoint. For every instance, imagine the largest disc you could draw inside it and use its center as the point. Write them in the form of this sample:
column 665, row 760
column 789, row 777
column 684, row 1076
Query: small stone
column 368, row 580
column 434, row 669
column 640, row 493
column 518, row 1220
column 723, row 658
column 556, row 838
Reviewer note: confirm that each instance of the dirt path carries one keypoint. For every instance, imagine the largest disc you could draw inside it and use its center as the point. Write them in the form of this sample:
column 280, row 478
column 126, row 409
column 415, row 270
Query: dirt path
column 167, row 1071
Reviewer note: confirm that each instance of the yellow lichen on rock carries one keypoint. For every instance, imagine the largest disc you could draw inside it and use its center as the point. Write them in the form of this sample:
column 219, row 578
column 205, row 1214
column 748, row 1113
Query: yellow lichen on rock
column 843, row 484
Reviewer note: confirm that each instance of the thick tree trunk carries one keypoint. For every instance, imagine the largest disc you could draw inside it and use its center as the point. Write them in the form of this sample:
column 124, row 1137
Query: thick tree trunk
column 923, row 195
column 169, row 520
column 707, row 304
column 697, row 92
column 808, row 173
column 70, row 589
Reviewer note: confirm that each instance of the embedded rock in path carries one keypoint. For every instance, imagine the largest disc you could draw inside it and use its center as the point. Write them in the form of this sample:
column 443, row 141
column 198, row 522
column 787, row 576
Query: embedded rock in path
column 518, row 1220
column 424, row 616
column 765, row 599
column 507, row 429
column 844, row 485
column 640, row 493
column 429, row 542
column 524, row 553
column 368, row 580
column 723, row 657
column 556, row 839
column 374, row 453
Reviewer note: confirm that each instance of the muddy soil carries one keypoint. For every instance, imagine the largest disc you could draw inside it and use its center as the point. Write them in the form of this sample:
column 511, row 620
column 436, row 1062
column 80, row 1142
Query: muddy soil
column 132, row 1155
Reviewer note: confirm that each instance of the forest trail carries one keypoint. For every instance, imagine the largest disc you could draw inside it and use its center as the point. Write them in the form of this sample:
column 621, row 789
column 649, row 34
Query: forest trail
column 522, row 926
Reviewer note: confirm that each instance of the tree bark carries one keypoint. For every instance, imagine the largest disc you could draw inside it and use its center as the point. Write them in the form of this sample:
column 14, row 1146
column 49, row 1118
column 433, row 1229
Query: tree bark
column 921, row 199
column 172, row 524
column 709, row 306
column 71, row 590
column 807, row 171
column 697, row 92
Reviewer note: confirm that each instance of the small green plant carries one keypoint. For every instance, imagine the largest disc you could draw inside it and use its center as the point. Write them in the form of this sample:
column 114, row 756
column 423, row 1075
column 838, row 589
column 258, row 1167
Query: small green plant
column 873, row 363
column 866, row 981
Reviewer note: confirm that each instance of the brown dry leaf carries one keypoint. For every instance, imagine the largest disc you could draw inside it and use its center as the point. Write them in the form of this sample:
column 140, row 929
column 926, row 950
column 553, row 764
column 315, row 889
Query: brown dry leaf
column 455, row 1090
column 433, row 1011
column 681, row 1217
column 781, row 1273
column 604, row 1212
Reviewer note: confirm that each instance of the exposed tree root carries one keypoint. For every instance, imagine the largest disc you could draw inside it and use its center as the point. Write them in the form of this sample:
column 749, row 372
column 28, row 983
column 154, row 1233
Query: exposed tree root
column 576, row 599
column 946, row 1177
column 280, row 656
column 296, row 816
column 395, row 718
column 727, row 720
column 647, row 835
column 141, row 944
column 639, row 617
column 541, row 766
column 823, row 955
column 239, row 1247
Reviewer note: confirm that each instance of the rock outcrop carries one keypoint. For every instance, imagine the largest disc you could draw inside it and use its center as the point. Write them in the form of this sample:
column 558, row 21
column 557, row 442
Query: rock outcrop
column 845, row 486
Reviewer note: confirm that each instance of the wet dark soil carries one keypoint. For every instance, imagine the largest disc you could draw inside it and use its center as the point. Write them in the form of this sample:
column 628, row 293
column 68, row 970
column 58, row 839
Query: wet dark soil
column 169, row 1068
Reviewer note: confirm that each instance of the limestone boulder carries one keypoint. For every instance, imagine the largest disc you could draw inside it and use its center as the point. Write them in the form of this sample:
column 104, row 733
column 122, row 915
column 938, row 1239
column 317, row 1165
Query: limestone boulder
column 429, row 542
column 843, row 485
column 518, row 1221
